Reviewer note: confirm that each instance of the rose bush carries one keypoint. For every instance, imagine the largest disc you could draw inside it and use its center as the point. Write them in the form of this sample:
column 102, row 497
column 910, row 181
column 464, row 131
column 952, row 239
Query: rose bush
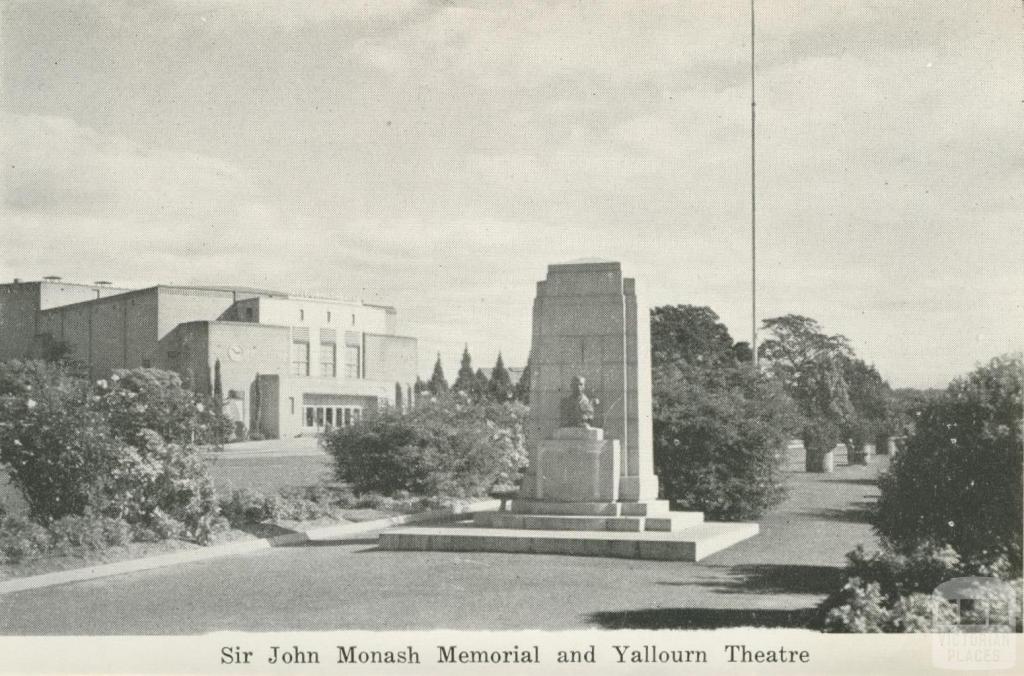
column 76, row 447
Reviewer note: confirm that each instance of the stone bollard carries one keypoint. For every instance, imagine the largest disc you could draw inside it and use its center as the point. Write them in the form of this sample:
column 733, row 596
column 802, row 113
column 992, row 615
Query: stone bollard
column 862, row 456
column 824, row 463
column 828, row 462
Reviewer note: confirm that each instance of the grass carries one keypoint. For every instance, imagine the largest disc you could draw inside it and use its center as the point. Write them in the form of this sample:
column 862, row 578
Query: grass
column 268, row 474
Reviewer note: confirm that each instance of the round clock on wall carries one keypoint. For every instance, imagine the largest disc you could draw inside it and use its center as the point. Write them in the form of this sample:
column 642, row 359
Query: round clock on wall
column 235, row 353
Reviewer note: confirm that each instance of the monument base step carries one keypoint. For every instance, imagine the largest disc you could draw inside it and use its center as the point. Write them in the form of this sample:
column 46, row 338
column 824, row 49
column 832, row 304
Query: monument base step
column 690, row 544
column 550, row 507
column 666, row 522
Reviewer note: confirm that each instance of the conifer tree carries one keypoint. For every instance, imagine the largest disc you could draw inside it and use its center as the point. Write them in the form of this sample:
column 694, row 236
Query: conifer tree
column 522, row 390
column 480, row 385
column 437, row 385
column 218, row 389
column 466, row 381
column 500, row 387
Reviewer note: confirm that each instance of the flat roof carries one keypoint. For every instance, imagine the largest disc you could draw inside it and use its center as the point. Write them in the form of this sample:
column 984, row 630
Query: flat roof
column 255, row 291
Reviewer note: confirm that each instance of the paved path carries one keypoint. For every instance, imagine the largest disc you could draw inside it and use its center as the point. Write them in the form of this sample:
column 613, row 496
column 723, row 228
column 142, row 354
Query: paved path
column 774, row 579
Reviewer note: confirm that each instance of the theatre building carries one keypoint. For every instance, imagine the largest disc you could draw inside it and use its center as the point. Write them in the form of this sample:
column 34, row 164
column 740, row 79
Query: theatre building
column 289, row 365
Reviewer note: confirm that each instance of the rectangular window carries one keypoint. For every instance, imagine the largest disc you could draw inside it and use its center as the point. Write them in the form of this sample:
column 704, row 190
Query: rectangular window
column 329, row 412
column 302, row 315
column 300, row 359
column 346, row 416
column 309, row 416
column 328, row 360
column 291, row 404
column 328, row 316
column 351, row 362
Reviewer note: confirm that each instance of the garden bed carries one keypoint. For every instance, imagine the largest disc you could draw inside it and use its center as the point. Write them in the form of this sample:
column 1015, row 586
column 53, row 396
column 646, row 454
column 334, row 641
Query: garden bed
column 57, row 562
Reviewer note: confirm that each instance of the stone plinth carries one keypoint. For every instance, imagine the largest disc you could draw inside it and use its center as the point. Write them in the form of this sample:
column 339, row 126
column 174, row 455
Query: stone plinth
column 578, row 465
column 585, row 323
column 690, row 544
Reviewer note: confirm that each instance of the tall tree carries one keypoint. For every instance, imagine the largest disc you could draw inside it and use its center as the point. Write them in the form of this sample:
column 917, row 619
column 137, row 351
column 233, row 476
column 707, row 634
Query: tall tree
column 480, row 385
column 692, row 334
column 718, row 424
column 501, row 382
column 811, row 367
column 398, row 396
column 218, row 389
column 466, row 380
column 872, row 401
column 437, row 385
column 420, row 387
column 522, row 389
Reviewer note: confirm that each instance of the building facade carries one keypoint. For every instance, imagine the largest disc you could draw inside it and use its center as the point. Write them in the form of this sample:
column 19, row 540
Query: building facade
column 289, row 365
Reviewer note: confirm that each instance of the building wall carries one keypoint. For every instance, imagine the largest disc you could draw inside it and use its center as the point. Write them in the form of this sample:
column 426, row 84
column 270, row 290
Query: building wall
column 56, row 294
column 246, row 350
column 247, row 310
column 180, row 304
column 20, row 306
column 313, row 312
column 267, row 407
column 186, row 351
column 390, row 358
column 108, row 333
column 293, row 393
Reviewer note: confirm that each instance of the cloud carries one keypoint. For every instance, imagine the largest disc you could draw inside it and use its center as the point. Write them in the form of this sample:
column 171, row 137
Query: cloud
column 438, row 155
column 55, row 166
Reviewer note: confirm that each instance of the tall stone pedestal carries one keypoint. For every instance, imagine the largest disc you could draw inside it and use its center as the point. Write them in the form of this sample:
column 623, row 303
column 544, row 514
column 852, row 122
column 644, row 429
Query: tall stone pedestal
column 590, row 487
column 578, row 465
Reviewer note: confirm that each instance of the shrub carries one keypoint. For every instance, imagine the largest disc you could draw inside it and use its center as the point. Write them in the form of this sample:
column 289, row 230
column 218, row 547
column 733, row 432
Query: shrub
column 866, row 610
column 921, row 570
column 892, row 591
column 22, row 539
column 248, row 506
column 448, row 447
column 153, row 399
column 717, row 439
column 90, row 533
column 74, row 447
column 959, row 481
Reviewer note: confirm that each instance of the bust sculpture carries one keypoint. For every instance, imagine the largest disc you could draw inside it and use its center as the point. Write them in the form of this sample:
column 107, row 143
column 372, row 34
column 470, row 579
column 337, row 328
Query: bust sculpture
column 577, row 411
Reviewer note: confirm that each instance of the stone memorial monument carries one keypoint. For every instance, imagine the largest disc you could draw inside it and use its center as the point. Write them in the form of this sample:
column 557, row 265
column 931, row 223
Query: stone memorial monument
column 590, row 487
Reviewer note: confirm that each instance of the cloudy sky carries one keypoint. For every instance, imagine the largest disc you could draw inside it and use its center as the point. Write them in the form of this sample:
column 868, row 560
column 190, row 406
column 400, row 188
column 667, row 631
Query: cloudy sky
column 438, row 155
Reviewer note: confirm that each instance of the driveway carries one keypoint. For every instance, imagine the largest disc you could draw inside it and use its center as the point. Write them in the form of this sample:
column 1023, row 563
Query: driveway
column 775, row 579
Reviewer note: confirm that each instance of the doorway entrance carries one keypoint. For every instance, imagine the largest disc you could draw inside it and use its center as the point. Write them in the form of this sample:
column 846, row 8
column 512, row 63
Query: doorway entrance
column 325, row 417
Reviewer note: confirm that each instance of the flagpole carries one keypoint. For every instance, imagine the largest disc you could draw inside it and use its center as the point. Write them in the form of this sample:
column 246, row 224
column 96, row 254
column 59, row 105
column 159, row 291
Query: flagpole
column 753, row 197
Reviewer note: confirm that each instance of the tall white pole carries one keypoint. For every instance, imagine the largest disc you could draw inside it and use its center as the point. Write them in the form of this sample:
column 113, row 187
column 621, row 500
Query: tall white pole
column 753, row 196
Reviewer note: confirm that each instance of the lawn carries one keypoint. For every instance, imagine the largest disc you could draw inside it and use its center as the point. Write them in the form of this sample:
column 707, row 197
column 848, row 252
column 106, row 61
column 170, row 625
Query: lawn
column 267, row 474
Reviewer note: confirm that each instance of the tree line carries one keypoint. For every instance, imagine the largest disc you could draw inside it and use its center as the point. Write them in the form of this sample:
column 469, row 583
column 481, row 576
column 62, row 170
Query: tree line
column 475, row 384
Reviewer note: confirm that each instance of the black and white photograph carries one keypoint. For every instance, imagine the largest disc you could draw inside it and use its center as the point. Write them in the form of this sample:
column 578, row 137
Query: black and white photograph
column 431, row 336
